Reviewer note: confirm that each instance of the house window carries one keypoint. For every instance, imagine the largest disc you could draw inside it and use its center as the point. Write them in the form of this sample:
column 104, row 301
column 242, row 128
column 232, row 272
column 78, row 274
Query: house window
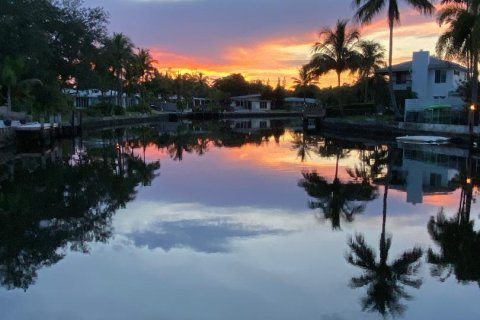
column 456, row 72
column 440, row 76
column 263, row 124
column 263, row 104
column 401, row 77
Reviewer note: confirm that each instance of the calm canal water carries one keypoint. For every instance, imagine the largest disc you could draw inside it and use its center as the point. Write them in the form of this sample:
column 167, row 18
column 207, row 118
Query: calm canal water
column 246, row 219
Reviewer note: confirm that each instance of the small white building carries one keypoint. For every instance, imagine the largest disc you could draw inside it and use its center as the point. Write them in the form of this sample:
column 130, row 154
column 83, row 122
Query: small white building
column 252, row 102
column 434, row 81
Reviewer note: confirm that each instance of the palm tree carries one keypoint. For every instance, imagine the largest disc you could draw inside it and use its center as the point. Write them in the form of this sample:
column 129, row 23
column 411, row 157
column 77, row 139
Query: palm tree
column 336, row 50
column 460, row 40
column 144, row 64
column 119, row 50
column 11, row 71
column 143, row 68
column 305, row 78
column 386, row 281
column 368, row 9
column 370, row 59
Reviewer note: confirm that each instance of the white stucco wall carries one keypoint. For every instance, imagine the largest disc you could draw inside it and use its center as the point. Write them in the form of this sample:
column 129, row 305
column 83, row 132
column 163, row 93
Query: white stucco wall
column 420, row 74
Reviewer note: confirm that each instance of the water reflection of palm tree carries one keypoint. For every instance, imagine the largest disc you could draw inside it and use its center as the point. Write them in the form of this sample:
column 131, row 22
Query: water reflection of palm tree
column 386, row 282
column 337, row 200
column 304, row 144
column 458, row 241
column 372, row 164
column 329, row 148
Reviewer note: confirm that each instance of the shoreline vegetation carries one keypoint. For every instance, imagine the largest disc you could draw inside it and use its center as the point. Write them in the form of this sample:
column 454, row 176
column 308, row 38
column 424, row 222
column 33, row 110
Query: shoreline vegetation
column 57, row 49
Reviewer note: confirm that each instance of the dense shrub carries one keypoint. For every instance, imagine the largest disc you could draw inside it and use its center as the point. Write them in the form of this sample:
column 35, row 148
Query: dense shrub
column 100, row 109
column 141, row 108
column 119, row 111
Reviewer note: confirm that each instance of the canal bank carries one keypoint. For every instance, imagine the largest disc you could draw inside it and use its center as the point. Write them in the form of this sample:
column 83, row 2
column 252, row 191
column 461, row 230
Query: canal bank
column 115, row 121
column 391, row 130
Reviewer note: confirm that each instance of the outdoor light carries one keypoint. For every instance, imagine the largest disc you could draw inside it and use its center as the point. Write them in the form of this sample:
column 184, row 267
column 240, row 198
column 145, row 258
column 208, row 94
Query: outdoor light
column 469, row 180
column 472, row 107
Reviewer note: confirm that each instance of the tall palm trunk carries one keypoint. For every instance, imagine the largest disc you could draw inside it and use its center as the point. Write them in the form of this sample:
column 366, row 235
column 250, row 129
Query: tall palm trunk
column 336, row 165
column 475, row 77
column 384, row 213
column 304, row 97
column 338, row 78
column 365, row 98
column 393, row 101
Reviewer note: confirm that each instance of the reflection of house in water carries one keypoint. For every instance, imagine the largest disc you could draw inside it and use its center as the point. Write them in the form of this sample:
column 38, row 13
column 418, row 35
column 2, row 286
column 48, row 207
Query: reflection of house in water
column 428, row 170
column 250, row 124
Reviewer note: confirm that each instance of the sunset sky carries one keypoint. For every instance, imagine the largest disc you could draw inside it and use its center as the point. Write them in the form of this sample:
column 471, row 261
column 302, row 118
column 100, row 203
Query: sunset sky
column 262, row 39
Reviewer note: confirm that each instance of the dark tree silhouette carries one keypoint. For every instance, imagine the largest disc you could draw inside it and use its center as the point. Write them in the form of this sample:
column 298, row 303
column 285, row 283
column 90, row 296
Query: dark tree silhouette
column 48, row 208
column 459, row 243
column 336, row 200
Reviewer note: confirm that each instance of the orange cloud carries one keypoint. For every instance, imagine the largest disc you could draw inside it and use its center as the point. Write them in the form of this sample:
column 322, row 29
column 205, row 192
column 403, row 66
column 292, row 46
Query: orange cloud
column 272, row 58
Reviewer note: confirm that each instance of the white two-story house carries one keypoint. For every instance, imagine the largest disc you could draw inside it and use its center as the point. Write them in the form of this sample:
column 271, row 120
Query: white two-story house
column 433, row 80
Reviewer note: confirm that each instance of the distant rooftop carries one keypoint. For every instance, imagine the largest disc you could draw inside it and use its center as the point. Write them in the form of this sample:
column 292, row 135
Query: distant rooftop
column 248, row 96
column 300, row 100
column 435, row 63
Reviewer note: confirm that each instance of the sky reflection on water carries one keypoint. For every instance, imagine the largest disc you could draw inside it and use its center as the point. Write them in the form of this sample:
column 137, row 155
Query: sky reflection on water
column 229, row 235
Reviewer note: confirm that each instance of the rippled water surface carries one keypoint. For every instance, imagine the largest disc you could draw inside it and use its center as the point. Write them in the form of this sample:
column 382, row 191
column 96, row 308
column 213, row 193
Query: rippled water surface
column 245, row 219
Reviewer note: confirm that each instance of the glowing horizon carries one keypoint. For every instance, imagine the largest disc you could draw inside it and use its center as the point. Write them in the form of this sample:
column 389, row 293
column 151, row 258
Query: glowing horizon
column 264, row 40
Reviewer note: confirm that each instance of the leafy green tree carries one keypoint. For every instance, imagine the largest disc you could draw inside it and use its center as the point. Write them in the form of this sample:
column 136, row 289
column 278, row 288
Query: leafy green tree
column 366, row 12
column 233, row 85
column 58, row 42
column 335, row 50
column 76, row 32
column 279, row 94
